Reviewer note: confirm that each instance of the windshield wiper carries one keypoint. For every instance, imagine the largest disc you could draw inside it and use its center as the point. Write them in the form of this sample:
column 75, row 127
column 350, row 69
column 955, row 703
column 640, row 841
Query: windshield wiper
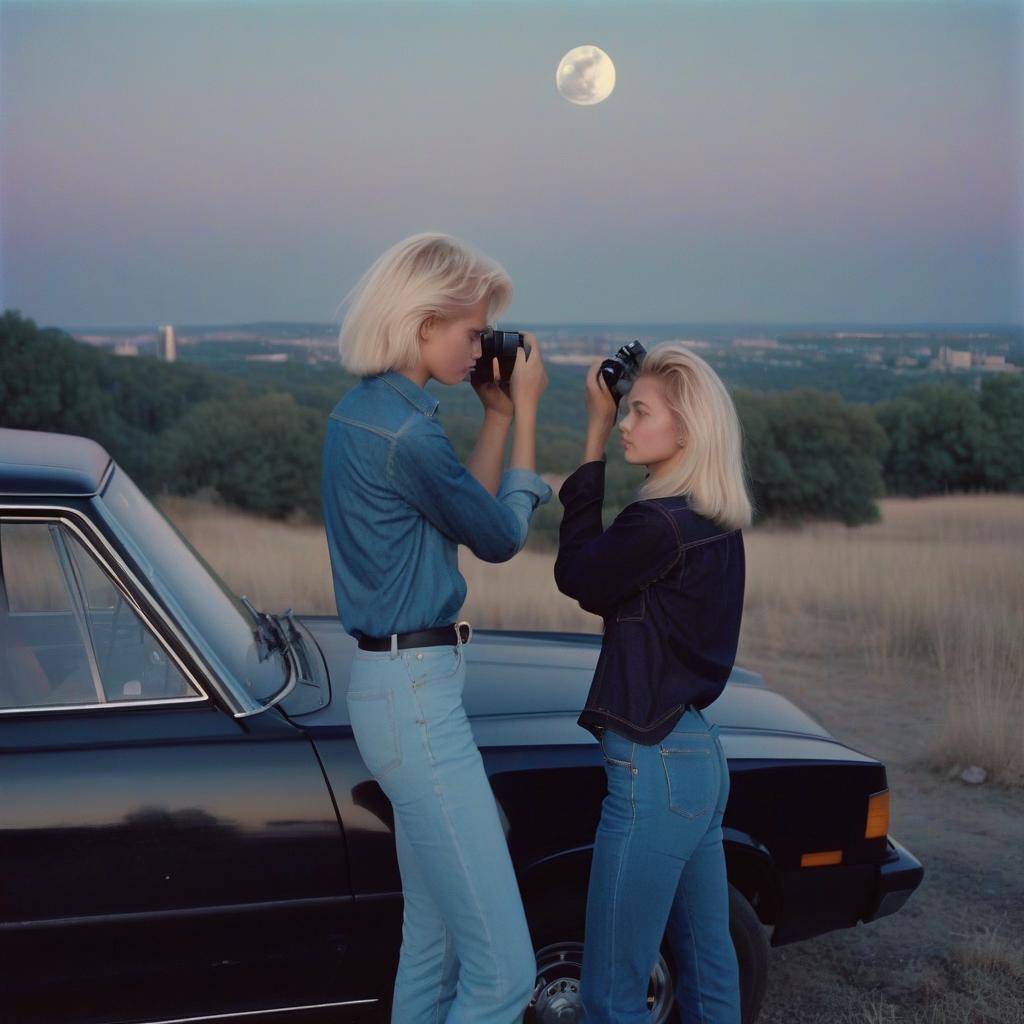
column 272, row 635
column 268, row 633
column 297, row 644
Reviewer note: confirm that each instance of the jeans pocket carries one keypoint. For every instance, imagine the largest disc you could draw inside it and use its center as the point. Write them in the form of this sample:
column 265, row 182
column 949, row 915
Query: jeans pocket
column 372, row 715
column 617, row 750
column 439, row 662
column 691, row 774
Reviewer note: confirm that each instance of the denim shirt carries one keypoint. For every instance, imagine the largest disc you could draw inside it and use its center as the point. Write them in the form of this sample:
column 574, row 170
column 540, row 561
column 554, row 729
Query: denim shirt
column 397, row 503
column 669, row 585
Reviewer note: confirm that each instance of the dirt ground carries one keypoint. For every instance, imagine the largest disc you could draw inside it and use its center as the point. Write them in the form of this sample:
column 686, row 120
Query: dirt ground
column 955, row 951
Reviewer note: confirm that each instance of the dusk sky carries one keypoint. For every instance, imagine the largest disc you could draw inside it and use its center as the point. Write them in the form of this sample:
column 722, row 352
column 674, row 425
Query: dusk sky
column 828, row 161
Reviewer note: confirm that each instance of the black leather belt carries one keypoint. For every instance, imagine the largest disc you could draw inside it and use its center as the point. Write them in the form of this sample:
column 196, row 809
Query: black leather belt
column 451, row 634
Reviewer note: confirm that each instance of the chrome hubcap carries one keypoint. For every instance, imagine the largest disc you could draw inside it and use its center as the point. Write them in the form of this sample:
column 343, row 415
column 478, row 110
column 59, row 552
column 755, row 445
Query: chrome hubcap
column 556, row 993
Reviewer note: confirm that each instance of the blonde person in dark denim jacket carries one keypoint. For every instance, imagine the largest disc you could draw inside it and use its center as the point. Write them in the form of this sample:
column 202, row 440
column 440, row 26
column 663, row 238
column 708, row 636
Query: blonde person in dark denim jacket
column 397, row 503
column 667, row 576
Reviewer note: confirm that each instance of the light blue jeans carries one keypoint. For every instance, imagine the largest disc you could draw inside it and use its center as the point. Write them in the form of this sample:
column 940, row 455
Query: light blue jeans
column 466, row 953
column 659, row 870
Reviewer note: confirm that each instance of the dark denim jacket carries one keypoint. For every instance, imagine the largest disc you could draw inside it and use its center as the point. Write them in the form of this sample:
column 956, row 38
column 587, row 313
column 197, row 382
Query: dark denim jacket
column 669, row 586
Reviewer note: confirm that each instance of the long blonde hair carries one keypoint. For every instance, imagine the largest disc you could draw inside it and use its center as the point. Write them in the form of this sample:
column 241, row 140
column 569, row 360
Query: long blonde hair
column 711, row 472
column 429, row 274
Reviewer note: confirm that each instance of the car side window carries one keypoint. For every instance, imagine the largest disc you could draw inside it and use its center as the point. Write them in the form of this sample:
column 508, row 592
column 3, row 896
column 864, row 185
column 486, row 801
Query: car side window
column 68, row 635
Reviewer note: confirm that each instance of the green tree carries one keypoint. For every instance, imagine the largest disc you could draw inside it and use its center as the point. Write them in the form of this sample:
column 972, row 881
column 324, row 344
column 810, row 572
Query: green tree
column 810, row 455
column 50, row 382
column 1002, row 401
column 260, row 454
column 940, row 440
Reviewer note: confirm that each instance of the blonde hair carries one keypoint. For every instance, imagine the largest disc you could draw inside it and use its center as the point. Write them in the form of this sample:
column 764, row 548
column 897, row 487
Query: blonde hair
column 428, row 274
column 711, row 472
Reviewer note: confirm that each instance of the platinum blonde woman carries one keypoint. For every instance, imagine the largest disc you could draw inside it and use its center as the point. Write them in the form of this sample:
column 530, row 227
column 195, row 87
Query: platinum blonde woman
column 396, row 503
column 667, row 577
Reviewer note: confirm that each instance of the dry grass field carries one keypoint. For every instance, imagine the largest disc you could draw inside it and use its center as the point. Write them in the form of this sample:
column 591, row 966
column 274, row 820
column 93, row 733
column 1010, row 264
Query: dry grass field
column 935, row 590
column 905, row 638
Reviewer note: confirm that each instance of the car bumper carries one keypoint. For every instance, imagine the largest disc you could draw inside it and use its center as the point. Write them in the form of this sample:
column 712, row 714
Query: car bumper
column 898, row 877
column 818, row 900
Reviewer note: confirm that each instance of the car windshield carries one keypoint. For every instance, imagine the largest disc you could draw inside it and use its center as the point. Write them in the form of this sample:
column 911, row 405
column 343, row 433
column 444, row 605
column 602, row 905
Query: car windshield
column 219, row 624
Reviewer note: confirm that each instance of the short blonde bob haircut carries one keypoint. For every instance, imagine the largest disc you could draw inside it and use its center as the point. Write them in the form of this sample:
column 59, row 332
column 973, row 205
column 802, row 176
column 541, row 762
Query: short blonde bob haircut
column 426, row 275
column 711, row 473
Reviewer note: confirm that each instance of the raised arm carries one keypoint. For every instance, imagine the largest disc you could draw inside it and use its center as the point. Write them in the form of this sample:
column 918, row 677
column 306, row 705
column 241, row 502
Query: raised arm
column 425, row 470
column 598, row 567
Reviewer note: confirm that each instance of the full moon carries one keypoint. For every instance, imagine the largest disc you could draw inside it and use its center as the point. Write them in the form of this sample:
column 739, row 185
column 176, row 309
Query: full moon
column 585, row 75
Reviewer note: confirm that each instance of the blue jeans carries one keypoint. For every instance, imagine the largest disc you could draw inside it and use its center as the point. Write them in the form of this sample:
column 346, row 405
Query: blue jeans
column 466, row 953
column 659, row 871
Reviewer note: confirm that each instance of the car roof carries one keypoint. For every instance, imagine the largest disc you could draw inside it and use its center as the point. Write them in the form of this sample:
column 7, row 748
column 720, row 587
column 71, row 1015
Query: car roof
column 39, row 463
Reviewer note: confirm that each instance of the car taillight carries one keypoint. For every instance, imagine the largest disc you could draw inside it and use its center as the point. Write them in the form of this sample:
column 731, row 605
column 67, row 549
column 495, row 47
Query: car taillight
column 877, row 826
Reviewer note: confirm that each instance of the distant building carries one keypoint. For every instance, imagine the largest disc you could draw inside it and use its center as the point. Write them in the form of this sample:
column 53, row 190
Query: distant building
column 953, row 359
column 990, row 362
column 126, row 348
column 166, row 348
column 273, row 357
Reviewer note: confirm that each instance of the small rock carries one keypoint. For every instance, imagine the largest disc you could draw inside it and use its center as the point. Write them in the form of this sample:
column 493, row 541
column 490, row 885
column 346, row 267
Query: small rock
column 973, row 774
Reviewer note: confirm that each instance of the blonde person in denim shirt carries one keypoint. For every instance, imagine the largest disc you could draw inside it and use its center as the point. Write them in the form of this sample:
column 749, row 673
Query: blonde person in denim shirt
column 667, row 577
column 396, row 504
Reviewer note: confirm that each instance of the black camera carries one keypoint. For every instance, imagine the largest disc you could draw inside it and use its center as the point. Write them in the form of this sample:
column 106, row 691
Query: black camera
column 504, row 345
column 620, row 371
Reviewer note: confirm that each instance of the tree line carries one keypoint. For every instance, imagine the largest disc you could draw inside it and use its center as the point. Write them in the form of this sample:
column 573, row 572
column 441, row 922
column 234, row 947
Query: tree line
column 810, row 454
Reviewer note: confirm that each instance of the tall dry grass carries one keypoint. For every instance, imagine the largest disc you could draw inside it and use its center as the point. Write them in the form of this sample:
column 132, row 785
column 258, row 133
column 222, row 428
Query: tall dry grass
column 936, row 586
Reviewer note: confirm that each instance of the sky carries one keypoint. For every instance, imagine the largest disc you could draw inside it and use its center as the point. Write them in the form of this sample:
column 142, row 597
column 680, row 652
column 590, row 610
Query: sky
column 190, row 162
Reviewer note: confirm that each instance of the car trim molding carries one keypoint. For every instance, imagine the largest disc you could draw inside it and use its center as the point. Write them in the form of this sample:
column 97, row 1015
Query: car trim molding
column 242, row 1014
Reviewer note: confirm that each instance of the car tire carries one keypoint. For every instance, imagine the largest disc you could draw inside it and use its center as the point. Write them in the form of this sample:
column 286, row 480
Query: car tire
column 557, row 926
column 751, row 943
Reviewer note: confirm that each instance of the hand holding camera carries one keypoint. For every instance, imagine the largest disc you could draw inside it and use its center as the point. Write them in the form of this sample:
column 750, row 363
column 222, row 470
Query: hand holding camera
column 606, row 382
column 609, row 379
column 621, row 370
column 503, row 346
column 520, row 372
column 601, row 405
column 529, row 377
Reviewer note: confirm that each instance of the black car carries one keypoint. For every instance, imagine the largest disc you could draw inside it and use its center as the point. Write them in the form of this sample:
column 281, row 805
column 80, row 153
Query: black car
column 188, row 832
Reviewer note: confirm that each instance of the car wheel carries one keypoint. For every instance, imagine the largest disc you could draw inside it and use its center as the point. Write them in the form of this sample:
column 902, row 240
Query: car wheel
column 557, row 923
column 751, row 945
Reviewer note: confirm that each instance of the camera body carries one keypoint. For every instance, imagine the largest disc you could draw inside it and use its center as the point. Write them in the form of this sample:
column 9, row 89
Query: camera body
column 621, row 369
column 504, row 345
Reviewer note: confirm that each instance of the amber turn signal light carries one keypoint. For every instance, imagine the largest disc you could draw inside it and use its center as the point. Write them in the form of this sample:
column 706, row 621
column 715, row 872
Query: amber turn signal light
column 815, row 860
column 877, row 826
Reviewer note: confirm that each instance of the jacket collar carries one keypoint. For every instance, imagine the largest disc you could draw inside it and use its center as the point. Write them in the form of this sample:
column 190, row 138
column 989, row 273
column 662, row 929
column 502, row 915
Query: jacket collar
column 410, row 391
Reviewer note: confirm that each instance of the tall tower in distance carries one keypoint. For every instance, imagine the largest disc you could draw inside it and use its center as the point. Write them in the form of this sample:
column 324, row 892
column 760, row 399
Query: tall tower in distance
column 166, row 350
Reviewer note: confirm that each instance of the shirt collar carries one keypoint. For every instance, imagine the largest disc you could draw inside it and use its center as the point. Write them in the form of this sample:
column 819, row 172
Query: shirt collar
column 411, row 391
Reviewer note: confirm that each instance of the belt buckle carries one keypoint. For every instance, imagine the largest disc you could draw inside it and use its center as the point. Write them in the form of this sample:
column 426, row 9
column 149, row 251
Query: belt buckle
column 458, row 631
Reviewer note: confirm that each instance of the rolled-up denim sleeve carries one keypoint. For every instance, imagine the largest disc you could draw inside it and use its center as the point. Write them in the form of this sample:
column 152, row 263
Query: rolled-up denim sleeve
column 425, row 470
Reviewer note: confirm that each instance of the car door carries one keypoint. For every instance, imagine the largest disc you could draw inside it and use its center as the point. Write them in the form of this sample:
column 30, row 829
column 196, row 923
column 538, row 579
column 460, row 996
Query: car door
column 159, row 857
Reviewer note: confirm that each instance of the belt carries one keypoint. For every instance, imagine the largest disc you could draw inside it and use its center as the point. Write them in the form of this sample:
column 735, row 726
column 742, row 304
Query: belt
column 450, row 634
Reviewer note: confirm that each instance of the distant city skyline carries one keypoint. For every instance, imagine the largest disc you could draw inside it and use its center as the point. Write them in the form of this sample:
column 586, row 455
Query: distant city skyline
column 776, row 163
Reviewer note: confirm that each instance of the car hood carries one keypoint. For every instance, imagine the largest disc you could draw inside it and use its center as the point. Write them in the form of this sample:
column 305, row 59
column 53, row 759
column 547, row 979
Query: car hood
column 515, row 673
